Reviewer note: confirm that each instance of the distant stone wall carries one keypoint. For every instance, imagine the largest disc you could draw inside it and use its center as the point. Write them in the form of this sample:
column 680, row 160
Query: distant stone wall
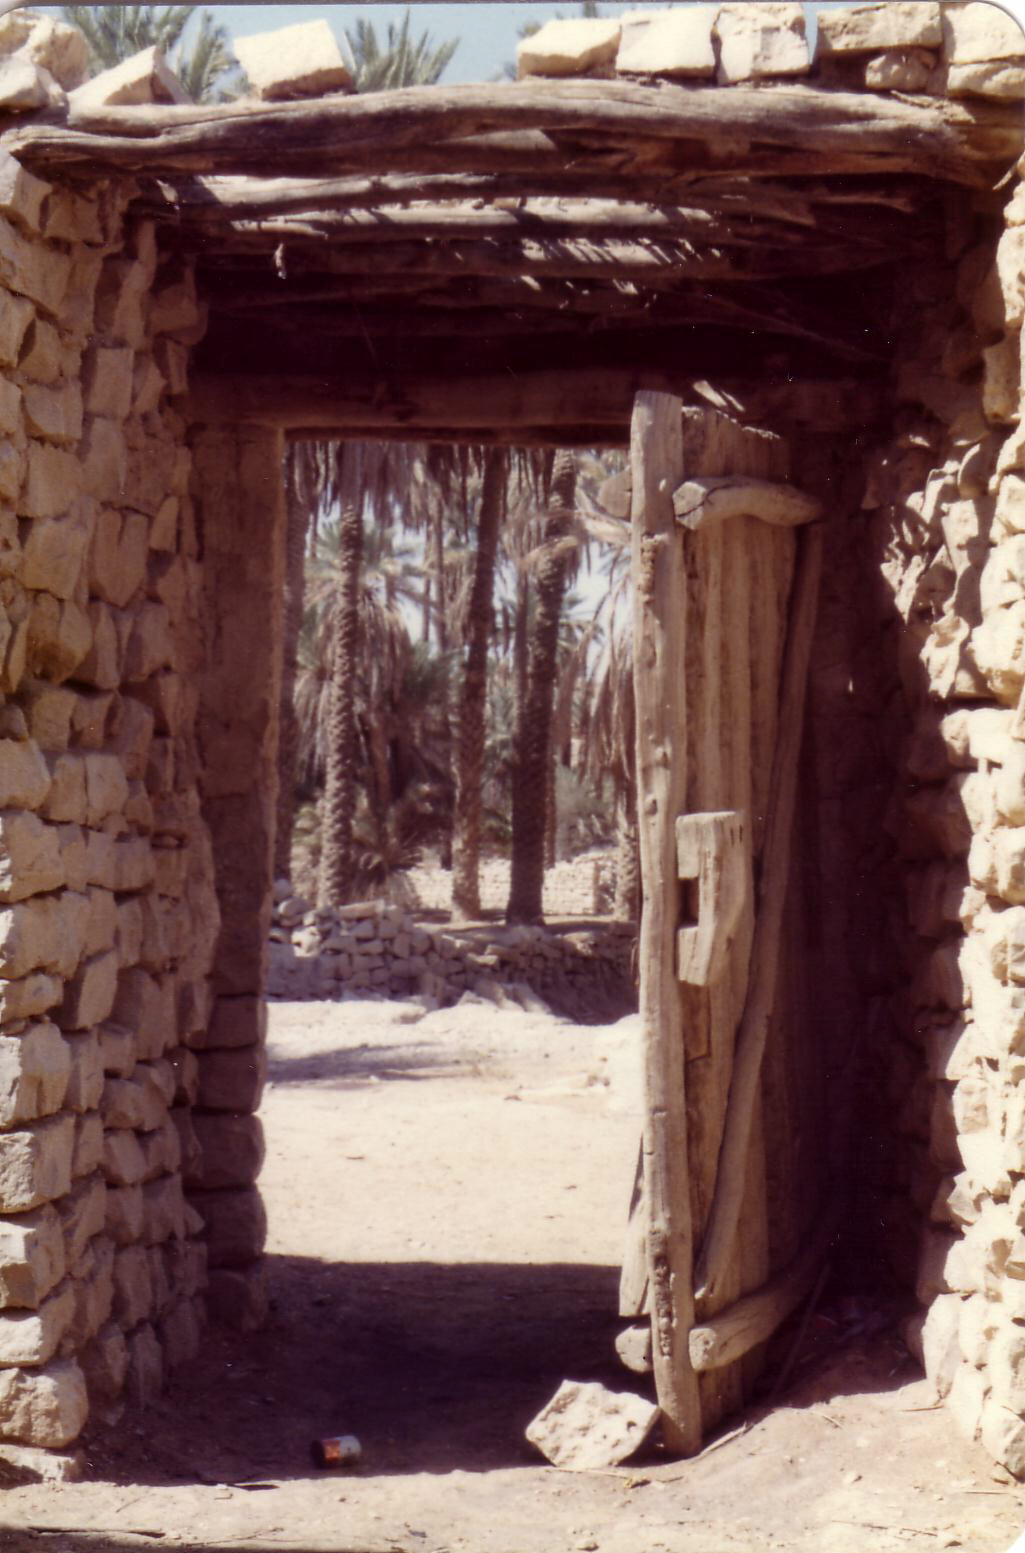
column 380, row 949
column 579, row 887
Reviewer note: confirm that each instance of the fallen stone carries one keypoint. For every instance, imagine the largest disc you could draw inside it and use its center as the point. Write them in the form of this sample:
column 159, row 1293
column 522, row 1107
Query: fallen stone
column 587, row 1426
column 304, row 60
column 144, row 78
column 568, row 47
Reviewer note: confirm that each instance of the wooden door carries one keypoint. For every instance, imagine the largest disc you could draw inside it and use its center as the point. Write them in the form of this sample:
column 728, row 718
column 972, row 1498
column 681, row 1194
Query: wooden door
column 724, row 604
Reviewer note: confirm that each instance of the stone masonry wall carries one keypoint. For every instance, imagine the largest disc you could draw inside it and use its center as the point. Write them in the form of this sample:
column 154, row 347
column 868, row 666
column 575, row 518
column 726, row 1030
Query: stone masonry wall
column 109, row 912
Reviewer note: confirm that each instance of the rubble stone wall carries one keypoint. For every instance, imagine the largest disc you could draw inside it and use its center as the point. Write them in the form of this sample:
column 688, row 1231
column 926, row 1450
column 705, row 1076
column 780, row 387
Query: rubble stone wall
column 127, row 1150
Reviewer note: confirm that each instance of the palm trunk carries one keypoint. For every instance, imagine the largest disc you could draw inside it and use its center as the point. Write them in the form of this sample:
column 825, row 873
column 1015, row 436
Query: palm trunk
column 441, row 626
column 551, row 815
column 533, row 754
column 473, row 696
column 336, row 860
column 298, row 522
column 627, row 906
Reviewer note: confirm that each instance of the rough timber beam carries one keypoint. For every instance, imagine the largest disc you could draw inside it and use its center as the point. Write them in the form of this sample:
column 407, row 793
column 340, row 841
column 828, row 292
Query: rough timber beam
column 941, row 139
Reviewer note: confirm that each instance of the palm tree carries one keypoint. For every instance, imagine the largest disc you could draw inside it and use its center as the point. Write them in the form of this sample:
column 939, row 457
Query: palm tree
column 403, row 61
column 336, row 869
column 466, row 837
column 116, row 32
column 530, row 790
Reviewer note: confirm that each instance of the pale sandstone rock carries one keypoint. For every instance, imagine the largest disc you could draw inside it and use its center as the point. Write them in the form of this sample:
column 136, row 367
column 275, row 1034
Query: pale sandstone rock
column 103, row 921
column 144, row 1379
column 88, row 1155
column 10, row 407
column 52, row 483
column 48, row 710
column 966, row 1399
column 106, row 787
column 59, row 637
column 94, row 1291
column 34, row 1072
column 43, row 1407
column 53, row 414
column 124, row 1214
column 180, row 1332
column 24, row 775
column 54, row 551
column 104, row 1363
column 144, row 78
column 132, row 1102
column 107, row 380
column 941, row 1353
column 32, row 1336
column 675, row 42
column 1010, row 271
column 587, row 1427
column 133, row 1286
column 979, row 1321
column 89, row 995
column 232, row 1150
column 32, row 1257
column 1006, row 1367
column 761, row 39
column 124, row 1163
column 980, row 31
column 893, row 24
column 999, row 648
column 235, row 1224
column 16, row 315
column 900, row 70
column 177, row 311
column 24, row 86
column 1003, row 1437
column 164, row 1211
column 1002, row 79
column 118, row 556
column 55, row 45
column 304, row 60
column 82, row 1215
column 66, row 800
column 34, row 994
column 568, row 47
column 22, row 194
column 103, row 458
column 1001, row 384
column 232, row 1080
column 1009, row 514
column 117, row 1048
column 237, row 1297
column 35, row 1163
column 32, row 270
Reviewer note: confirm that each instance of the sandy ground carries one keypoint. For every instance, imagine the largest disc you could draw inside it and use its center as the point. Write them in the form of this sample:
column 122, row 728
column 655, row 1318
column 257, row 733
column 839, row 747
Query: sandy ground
column 447, row 1195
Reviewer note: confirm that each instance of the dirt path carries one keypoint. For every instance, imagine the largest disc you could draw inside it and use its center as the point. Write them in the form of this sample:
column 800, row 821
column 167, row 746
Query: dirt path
column 446, row 1198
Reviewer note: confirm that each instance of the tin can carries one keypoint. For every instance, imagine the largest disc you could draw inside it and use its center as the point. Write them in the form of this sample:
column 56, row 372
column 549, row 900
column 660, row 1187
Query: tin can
column 336, row 1450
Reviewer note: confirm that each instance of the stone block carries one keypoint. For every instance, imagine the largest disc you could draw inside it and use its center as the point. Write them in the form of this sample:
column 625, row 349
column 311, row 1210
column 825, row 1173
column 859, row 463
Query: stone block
column 88, row 1153
column 673, row 43
column 103, row 458
column 125, row 1217
column 232, row 1080
column 1010, row 273
column 124, row 1163
column 30, row 856
column 145, row 1005
column 48, row 1406
column 1003, row 80
column 144, row 78
column 15, row 317
column 231, row 1150
column 66, row 801
column 586, row 1427
column 57, row 47
column 237, row 1297
column 34, row 1071
column 899, row 70
column 120, row 547
column 133, row 1286
column 163, row 1210
column 980, row 31
column 235, row 1225
column 52, row 483
column 1006, row 1367
column 104, row 1364
column 966, row 1399
column 48, row 710
column 890, row 24
column 82, row 1214
column 941, row 1351
column 24, row 775
column 304, row 60
column 32, row 1257
column 978, row 1322
column 1001, row 383
column 94, row 1291
column 565, row 47
column 181, row 1332
column 144, row 1377
column 106, row 787
column 59, row 637
column 161, row 1149
column 761, row 38
column 1003, row 1437
column 107, row 380
column 132, row 1102
column 35, row 1163
column 32, row 1336
column 25, row 86
column 235, row 1022
column 89, row 996
column 53, row 414
column 117, row 1049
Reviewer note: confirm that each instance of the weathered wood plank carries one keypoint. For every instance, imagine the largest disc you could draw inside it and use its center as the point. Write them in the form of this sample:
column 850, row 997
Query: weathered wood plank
column 732, row 1333
column 660, row 694
column 711, row 850
column 701, row 501
column 717, row 1247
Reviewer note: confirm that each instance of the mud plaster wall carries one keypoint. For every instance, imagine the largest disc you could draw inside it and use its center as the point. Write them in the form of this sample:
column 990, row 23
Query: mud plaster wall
column 136, row 779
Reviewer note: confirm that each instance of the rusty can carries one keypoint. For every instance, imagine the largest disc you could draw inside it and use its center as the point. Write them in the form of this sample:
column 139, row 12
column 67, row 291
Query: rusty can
column 336, row 1450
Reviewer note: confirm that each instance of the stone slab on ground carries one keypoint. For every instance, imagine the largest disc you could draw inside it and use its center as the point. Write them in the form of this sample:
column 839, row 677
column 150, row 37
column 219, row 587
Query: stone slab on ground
column 586, row 1425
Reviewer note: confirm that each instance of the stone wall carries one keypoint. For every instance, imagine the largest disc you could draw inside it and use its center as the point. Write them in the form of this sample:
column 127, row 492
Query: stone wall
column 576, row 887
column 372, row 947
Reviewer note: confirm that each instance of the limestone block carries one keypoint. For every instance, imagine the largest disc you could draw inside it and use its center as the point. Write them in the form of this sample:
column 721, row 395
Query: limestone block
column 132, row 1102
column 890, row 24
column 232, row 1080
column 94, row 1291
column 1001, row 384
column 48, row 710
column 761, row 38
column 104, row 1363
column 161, row 1149
column 144, row 78
column 54, row 549
column 66, row 800
column 88, row 1154
column 235, row 1022
column 163, row 1210
column 117, row 1049
column 16, row 315
column 1003, row 1437
column 232, row 1150
column 43, row 1407
column 59, row 48
column 185, row 1068
column 103, row 458
column 134, row 866
column 106, row 787
column 13, row 462
column 24, row 776
column 189, row 1152
column 133, row 1286
column 124, row 1163
column 1009, row 864
column 1006, row 1367
column 52, row 484
column 899, row 70
column 34, row 1072
column 1009, row 513
column 164, row 532
column 966, row 1399
column 980, row 31
column 1010, row 270
column 24, row 86
column 35, row 1163
column 32, row 1336
column 979, row 1320
column 32, row 1258
column 145, row 1005
column 973, row 1102
column 1001, row 79
column 10, row 407
column 107, row 380
column 90, row 995
column 235, row 1225
column 237, row 1297
column 82, row 1215
column 53, row 414
column 121, row 302
column 125, row 1216
column 674, row 43
column 59, row 637
column 941, row 1353
column 32, row 995
column 587, row 1427
column 568, row 47
column 150, row 646
column 117, row 563
column 30, row 856
column 304, row 60
column 180, row 1332
column 22, row 194
column 102, row 928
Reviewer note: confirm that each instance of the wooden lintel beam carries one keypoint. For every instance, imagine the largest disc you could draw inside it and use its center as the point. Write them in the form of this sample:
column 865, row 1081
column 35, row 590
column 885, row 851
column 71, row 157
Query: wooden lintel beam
column 951, row 140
